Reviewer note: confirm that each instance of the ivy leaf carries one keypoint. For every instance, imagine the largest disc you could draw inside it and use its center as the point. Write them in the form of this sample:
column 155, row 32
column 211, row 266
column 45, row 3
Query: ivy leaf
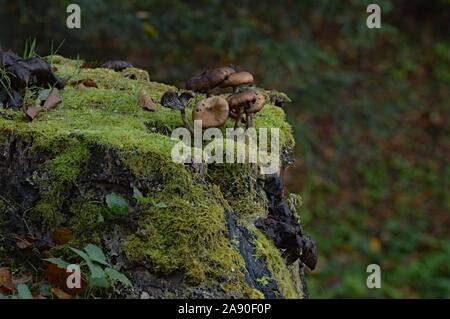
column 117, row 276
column 117, row 204
column 24, row 292
column 58, row 262
column 96, row 254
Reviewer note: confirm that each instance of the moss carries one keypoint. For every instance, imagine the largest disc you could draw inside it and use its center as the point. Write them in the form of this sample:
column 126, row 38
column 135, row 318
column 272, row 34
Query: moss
column 87, row 221
column 238, row 184
column 189, row 235
column 285, row 279
column 61, row 173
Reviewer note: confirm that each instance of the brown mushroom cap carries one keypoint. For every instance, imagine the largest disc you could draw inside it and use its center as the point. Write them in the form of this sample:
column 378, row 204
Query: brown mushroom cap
column 213, row 112
column 242, row 98
column 257, row 105
column 209, row 79
column 236, row 79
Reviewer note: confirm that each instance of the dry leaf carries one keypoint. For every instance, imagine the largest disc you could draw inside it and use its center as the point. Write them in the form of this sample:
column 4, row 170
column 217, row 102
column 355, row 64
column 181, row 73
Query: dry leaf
column 89, row 83
column 6, row 283
column 53, row 100
column 33, row 111
column 23, row 242
column 82, row 87
column 58, row 278
column 60, row 294
column 22, row 279
column 61, row 235
column 146, row 102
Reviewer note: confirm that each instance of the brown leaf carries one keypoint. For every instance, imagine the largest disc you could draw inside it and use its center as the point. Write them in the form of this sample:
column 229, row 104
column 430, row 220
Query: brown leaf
column 82, row 87
column 58, row 277
column 33, row 111
column 6, row 283
column 62, row 235
column 146, row 102
column 23, row 242
column 60, row 294
column 89, row 83
column 53, row 100
column 22, row 279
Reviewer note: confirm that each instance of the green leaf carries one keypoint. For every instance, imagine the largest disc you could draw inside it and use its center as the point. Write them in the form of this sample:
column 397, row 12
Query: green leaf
column 82, row 254
column 58, row 262
column 140, row 198
column 117, row 204
column 100, row 282
column 117, row 276
column 137, row 194
column 96, row 271
column 161, row 205
column 24, row 292
column 96, row 254
column 43, row 95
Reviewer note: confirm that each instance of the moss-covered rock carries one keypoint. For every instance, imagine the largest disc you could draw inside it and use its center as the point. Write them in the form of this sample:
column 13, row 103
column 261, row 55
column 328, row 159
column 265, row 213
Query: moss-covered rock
column 175, row 240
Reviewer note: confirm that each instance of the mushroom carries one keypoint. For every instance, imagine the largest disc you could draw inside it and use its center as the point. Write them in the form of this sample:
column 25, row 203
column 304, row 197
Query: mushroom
column 239, row 101
column 212, row 111
column 236, row 79
column 171, row 100
column 209, row 79
column 255, row 107
column 249, row 102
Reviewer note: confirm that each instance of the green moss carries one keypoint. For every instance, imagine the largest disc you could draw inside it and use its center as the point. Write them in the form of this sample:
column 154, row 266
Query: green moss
column 285, row 278
column 189, row 235
column 87, row 216
column 60, row 174
column 238, row 183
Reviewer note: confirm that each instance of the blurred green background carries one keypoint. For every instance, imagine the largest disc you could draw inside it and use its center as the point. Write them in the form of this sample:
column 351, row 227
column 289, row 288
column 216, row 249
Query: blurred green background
column 370, row 112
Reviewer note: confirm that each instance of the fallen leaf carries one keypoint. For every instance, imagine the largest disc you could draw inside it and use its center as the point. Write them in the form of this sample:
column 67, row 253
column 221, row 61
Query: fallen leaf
column 33, row 111
column 58, row 278
column 22, row 280
column 89, row 83
column 60, row 294
column 53, row 100
column 23, row 242
column 6, row 283
column 55, row 275
column 146, row 102
column 62, row 235
column 82, row 87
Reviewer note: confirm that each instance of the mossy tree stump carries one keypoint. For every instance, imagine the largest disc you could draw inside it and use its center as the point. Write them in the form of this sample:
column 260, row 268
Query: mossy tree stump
column 57, row 171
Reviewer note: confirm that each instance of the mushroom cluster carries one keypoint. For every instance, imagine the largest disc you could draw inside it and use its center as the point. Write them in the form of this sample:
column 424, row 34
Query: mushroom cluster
column 214, row 110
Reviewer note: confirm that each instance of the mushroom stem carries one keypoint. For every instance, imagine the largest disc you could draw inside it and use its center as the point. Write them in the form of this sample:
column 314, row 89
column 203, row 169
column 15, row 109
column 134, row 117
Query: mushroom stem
column 249, row 120
column 186, row 122
column 237, row 124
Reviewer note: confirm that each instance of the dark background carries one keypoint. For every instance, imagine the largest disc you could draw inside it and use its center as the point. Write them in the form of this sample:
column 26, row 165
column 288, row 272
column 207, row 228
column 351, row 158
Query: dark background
column 370, row 111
